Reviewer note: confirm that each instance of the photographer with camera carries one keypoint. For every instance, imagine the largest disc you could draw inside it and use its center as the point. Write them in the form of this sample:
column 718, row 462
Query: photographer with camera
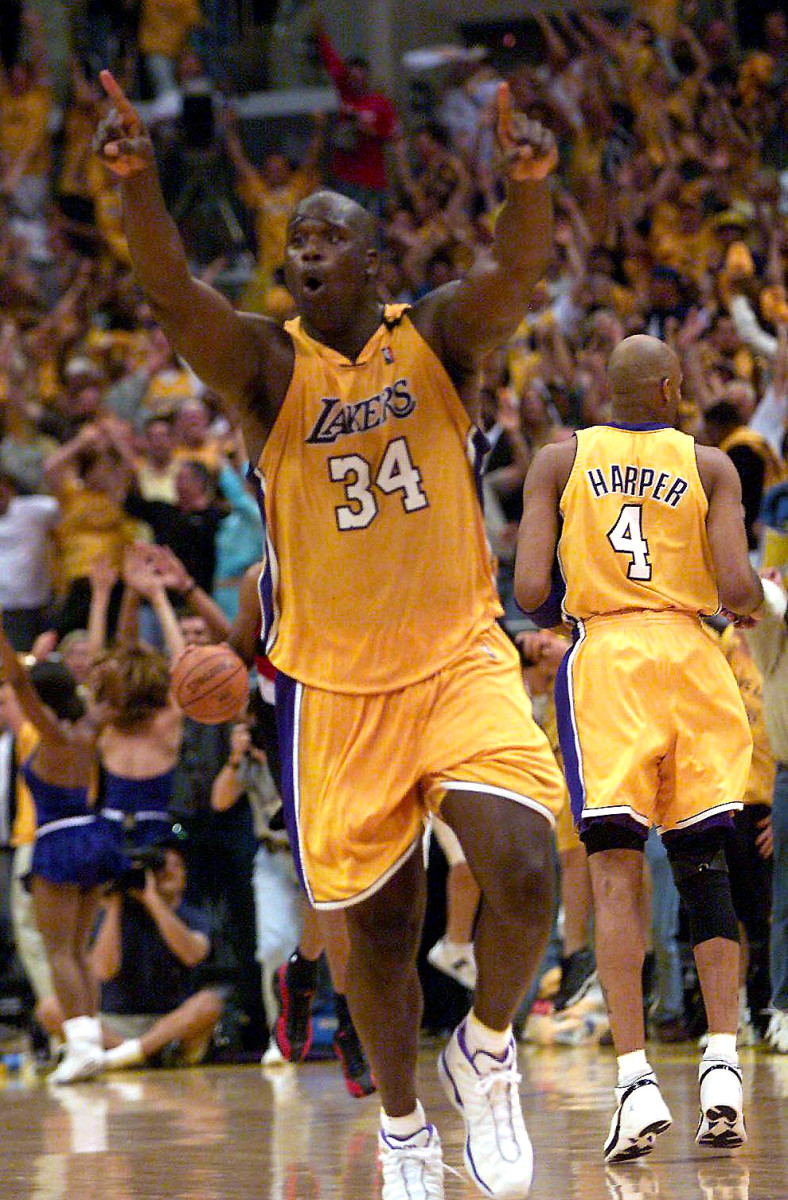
column 146, row 954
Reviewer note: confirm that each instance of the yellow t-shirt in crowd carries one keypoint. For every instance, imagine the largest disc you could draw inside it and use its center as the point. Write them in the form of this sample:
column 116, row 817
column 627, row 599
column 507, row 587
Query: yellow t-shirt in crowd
column 165, row 25
column 24, row 124
column 91, row 524
column 272, row 207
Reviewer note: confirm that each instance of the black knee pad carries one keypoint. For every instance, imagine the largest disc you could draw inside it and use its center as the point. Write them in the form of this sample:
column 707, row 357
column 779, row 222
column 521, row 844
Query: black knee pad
column 701, row 874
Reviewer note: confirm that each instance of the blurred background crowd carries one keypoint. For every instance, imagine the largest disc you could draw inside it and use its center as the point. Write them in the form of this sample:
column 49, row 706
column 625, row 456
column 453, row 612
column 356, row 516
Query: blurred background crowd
column 671, row 219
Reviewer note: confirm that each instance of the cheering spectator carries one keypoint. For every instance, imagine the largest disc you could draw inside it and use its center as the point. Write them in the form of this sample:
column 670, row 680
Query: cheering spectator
column 367, row 123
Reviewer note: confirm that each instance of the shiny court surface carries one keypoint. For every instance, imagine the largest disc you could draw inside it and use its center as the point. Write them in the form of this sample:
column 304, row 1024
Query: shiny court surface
column 244, row 1133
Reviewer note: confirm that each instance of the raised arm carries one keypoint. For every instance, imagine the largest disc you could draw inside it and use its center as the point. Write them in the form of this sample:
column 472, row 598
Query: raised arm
column 740, row 588
column 463, row 321
column 47, row 725
column 103, row 578
column 141, row 573
column 246, row 359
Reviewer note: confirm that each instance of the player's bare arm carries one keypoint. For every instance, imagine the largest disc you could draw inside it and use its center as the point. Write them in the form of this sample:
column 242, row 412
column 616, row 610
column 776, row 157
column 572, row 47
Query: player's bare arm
column 463, row 321
column 740, row 588
column 246, row 627
column 246, row 359
column 539, row 528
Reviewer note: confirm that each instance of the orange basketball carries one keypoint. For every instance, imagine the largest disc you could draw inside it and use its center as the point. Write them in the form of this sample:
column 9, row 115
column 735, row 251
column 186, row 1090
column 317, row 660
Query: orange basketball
column 210, row 684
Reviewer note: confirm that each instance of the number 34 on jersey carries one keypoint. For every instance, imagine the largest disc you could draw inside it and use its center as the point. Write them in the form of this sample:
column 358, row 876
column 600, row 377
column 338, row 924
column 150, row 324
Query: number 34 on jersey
column 396, row 472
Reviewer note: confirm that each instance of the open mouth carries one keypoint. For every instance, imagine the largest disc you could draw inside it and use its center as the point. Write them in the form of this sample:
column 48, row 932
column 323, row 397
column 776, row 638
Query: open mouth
column 313, row 284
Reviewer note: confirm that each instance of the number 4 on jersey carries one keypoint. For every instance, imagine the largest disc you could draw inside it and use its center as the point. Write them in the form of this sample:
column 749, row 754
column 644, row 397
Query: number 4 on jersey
column 626, row 537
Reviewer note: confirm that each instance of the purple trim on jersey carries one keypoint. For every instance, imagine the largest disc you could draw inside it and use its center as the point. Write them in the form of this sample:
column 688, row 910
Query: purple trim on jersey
column 265, row 585
column 720, row 820
column 551, row 611
column 285, row 699
column 567, row 736
column 623, row 819
column 645, row 427
column 481, row 447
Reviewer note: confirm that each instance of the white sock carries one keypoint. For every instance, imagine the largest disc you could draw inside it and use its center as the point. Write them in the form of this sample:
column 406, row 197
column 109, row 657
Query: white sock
column 722, row 1045
column 631, row 1066
column 479, row 1036
column 82, row 1029
column 127, row 1054
column 458, row 948
column 403, row 1127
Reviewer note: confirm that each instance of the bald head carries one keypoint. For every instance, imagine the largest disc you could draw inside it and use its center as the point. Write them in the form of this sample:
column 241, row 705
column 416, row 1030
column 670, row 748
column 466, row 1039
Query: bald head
column 645, row 377
column 336, row 209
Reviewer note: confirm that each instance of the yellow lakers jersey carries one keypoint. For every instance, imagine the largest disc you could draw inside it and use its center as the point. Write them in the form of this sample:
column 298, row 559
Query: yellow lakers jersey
column 634, row 532
column 377, row 572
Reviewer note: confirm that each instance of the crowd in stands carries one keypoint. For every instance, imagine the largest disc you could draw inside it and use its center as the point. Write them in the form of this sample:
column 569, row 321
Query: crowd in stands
column 671, row 219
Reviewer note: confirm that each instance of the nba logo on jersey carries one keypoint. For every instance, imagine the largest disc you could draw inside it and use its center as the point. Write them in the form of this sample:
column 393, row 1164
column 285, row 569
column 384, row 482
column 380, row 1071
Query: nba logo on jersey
column 387, row 355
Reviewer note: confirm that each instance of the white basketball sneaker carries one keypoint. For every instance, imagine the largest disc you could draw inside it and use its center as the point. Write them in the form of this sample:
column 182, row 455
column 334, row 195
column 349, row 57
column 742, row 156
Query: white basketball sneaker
column 485, row 1091
column 412, row 1166
column 777, row 1033
column 455, row 960
column 641, row 1115
column 721, row 1123
column 83, row 1056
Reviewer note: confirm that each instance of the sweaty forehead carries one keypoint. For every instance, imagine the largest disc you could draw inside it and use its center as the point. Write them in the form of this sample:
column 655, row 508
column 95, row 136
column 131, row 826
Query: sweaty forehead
column 330, row 208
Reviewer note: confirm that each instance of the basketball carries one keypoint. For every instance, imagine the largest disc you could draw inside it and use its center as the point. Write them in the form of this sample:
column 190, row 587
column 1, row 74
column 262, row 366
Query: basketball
column 210, row 684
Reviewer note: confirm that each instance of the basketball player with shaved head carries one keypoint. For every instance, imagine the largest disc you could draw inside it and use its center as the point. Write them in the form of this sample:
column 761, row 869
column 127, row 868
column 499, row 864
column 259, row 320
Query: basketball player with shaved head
column 396, row 693
column 650, row 536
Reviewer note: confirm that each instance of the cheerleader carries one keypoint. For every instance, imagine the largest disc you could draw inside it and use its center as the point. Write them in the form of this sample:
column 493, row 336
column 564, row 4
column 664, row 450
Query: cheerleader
column 73, row 856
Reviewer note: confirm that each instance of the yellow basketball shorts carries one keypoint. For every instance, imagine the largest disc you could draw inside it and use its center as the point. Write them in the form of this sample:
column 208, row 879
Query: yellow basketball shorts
column 652, row 726
column 360, row 772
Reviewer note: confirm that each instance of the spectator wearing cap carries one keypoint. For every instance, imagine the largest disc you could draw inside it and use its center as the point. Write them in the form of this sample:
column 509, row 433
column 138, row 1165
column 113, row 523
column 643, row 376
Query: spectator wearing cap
column 367, row 122
column 26, row 525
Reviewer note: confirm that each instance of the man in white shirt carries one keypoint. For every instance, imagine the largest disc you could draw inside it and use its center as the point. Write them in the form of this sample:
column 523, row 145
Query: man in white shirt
column 26, row 523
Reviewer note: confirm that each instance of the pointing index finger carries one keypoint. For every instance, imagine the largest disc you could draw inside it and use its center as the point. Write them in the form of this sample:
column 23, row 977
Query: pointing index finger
column 503, row 122
column 117, row 95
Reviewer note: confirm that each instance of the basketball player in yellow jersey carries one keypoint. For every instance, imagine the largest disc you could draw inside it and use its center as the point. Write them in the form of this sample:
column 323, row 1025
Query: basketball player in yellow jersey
column 652, row 726
column 396, row 690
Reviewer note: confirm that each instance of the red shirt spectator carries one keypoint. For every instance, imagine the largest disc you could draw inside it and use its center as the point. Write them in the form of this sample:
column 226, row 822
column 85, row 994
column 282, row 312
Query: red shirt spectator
column 367, row 121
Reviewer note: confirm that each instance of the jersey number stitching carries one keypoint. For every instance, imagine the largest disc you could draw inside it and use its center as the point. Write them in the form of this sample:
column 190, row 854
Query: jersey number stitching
column 396, row 473
column 626, row 537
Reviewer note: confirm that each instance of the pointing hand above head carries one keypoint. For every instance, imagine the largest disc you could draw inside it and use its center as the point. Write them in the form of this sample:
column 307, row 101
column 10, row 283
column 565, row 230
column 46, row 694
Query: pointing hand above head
column 122, row 140
column 528, row 149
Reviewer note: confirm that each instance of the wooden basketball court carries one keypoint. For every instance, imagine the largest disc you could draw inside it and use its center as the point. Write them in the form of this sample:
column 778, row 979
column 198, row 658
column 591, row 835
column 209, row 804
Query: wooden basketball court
column 293, row 1133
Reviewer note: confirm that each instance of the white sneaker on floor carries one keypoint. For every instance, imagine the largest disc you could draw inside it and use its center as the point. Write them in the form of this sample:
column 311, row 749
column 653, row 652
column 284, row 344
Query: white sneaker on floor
column 721, row 1123
column 273, row 1056
column 413, row 1166
column 455, row 960
column 641, row 1115
column 485, row 1090
column 777, row 1033
column 80, row 1061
